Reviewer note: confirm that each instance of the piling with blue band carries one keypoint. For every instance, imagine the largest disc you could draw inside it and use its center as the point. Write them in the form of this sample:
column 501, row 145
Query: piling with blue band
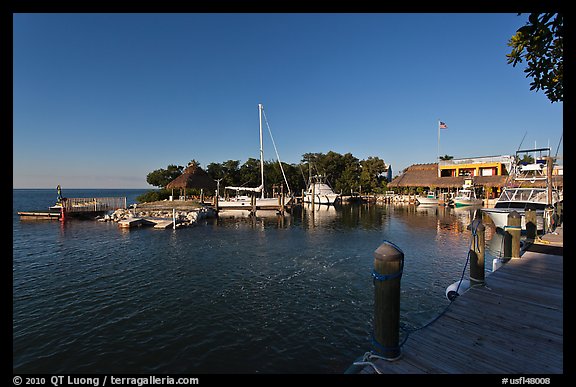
column 386, row 277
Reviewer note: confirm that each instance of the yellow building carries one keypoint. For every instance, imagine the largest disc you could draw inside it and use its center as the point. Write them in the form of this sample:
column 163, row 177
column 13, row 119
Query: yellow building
column 476, row 166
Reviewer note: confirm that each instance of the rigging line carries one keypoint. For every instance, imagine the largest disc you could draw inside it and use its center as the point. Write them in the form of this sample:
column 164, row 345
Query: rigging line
column 558, row 147
column 277, row 155
column 302, row 172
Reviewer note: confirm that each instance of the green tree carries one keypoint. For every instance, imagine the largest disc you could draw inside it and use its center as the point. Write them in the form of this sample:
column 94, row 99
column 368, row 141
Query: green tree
column 446, row 158
column 372, row 174
column 249, row 173
column 161, row 177
column 540, row 42
column 228, row 171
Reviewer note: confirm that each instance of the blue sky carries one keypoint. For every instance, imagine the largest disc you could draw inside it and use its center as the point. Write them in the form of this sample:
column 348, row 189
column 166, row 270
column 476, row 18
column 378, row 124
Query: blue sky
column 101, row 100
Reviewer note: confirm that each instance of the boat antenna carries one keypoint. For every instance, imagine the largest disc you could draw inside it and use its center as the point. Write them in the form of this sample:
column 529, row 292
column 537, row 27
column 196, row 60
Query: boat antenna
column 520, row 146
column 515, row 161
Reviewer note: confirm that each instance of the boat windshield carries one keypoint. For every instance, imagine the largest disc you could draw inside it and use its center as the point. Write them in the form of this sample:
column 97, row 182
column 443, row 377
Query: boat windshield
column 534, row 195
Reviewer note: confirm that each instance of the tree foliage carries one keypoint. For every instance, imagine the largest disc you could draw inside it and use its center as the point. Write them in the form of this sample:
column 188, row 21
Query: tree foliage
column 161, row 177
column 345, row 173
column 540, row 44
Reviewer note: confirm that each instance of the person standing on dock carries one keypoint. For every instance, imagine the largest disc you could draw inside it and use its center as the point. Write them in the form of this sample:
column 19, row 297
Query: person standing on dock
column 59, row 198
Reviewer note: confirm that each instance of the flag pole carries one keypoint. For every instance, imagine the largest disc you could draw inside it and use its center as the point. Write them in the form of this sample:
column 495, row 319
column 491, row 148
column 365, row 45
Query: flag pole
column 438, row 150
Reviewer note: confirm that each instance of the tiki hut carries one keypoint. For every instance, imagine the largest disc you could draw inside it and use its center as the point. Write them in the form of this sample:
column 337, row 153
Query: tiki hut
column 192, row 177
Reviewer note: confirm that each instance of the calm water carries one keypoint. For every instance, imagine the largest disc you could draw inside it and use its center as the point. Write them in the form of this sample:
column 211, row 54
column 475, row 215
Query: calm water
column 289, row 294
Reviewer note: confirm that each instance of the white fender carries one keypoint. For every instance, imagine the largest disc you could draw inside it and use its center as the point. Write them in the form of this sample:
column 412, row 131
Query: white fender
column 451, row 293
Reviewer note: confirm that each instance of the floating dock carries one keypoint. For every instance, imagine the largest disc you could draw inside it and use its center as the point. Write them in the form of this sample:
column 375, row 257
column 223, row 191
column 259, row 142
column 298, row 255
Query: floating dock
column 512, row 325
column 38, row 215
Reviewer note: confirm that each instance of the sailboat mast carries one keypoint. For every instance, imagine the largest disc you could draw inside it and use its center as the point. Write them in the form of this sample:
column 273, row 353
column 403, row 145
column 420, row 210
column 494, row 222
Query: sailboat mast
column 260, row 107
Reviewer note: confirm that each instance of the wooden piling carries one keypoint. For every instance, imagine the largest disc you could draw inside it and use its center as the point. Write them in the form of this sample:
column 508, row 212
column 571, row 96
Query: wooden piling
column 253, row 204
column 530, row 221
column 512, row 236
column 282, row 200
column 388, row 267
column 313, row 197
column 477, row 247
column 548, row 219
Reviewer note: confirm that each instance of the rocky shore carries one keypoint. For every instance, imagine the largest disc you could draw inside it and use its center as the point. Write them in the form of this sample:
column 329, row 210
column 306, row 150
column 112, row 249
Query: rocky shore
column 187, row 213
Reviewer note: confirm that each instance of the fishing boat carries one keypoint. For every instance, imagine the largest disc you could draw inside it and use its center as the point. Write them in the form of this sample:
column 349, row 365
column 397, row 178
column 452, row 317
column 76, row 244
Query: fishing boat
column 255, row 199
column 429, row 199
column 466, row 196
column 319, row 192
column 520, row 192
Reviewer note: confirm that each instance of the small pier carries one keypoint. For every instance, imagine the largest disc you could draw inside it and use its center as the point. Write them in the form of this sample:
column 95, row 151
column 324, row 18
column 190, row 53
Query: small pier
column 76, row 207
column 84, row 205
column 511, row 325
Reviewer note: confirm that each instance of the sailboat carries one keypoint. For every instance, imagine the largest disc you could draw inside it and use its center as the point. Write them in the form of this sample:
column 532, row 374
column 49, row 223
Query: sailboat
column 243, row 201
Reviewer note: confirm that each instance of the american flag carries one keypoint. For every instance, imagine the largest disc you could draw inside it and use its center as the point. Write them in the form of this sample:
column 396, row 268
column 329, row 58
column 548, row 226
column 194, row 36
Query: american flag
column 443, row 125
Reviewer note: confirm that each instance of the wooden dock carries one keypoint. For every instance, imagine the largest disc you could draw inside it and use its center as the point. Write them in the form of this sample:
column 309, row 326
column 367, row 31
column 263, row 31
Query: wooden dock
column 513, row 325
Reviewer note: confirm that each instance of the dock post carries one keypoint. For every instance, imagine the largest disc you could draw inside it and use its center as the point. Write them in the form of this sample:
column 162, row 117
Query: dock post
column 560, row 212
column 173, row 218
column 253, row 204
column 282, row 199
column 548, row 219
column 530, row 220
column 477, row 246
column 313, row 197
column 512, row 236
column 388, row 267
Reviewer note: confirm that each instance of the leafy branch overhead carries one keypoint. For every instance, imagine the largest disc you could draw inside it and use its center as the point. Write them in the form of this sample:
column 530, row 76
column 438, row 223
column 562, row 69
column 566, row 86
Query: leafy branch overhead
column 540, row 44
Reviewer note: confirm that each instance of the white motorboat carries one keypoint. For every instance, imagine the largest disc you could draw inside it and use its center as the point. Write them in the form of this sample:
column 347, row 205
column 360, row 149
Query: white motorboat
column 429, row 199
column 319, row 192
column 519, row 199
column 466, row 196
column 516, row 196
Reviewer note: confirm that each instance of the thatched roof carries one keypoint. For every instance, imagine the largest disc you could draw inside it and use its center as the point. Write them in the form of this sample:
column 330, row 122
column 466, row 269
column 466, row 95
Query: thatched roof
column 193, row 177
column 426, row 175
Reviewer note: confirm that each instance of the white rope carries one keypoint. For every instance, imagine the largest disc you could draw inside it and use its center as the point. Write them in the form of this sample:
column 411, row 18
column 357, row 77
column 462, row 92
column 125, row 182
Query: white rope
column 276, row 150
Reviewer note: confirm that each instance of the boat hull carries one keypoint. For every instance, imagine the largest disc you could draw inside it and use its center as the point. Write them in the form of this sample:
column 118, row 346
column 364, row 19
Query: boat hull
column 321, row 199
column 428, row 201
column 500, row 217
column 464, row 203
column 245, row 204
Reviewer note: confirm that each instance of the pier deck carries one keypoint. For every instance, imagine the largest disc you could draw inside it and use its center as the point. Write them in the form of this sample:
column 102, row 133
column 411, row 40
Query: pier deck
column 513, row 325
